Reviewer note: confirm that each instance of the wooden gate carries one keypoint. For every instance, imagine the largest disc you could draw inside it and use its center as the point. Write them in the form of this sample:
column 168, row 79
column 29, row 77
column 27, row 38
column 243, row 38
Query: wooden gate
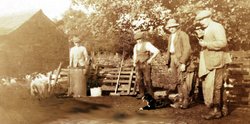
column 120, row 81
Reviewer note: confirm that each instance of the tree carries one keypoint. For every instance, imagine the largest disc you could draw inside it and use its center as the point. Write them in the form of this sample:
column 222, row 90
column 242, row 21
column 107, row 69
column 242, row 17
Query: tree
column 232, row 14
column 112, row 24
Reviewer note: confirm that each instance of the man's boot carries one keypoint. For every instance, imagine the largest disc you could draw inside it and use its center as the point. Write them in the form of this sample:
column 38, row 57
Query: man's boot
column 150, row 91
column 141, row 92
column 177, row 103
column 185, row 103
column 214, row 114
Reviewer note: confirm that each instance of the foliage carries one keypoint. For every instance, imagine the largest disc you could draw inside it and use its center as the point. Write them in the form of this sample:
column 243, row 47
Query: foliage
column 232, row 14
column 112, row 24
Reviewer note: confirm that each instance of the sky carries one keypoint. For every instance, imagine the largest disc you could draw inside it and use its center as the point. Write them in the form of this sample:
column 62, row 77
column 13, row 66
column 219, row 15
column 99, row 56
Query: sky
column 52, row 8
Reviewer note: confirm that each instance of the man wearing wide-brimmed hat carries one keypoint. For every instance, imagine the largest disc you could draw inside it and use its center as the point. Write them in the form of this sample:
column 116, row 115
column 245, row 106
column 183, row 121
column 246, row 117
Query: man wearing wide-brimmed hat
column 213, row 59
column 77, row 65
column 142, row 63
column 178, row 56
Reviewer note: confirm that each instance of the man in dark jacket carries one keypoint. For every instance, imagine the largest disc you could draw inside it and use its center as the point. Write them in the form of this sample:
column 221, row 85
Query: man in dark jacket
column 178, row 55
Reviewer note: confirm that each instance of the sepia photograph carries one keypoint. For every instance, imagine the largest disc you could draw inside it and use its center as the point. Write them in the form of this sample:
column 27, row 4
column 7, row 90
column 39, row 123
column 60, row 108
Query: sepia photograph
column 124, row 62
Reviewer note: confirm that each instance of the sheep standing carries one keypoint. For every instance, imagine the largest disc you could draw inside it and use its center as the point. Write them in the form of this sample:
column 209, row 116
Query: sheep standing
column 39, row 86
column 42, row 86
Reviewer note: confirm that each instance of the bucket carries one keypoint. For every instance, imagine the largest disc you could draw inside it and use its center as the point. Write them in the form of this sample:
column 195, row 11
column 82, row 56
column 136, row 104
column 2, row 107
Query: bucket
column 96, row 91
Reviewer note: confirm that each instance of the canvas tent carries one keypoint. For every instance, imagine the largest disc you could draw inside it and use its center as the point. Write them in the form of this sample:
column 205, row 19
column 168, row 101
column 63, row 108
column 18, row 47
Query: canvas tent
column 30, row 42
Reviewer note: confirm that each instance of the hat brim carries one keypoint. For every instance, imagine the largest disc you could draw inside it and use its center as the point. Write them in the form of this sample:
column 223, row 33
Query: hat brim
column 202, row 17
column 138, row 35
column 76, row 41
column 203, row 14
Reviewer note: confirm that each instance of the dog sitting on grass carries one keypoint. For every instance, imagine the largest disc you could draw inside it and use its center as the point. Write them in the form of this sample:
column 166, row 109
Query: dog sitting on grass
column 154, row 104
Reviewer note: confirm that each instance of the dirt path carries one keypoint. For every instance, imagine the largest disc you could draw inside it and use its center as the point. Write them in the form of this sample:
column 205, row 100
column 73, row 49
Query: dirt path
column 114, row 110
column 18, row 107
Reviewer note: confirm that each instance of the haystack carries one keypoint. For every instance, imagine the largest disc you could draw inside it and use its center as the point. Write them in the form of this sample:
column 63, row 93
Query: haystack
column 29, row 43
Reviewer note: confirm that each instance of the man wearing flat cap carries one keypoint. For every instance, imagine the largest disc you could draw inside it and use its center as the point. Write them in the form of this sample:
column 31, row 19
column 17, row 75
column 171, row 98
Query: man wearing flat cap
column 142, row 59
column 213, row 58
column 77, row 65
column 178, row 56
column 78, row 54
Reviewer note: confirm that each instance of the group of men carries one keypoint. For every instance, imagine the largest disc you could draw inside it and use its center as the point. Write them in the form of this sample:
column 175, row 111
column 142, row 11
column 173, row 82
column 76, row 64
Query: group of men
column 213, row 58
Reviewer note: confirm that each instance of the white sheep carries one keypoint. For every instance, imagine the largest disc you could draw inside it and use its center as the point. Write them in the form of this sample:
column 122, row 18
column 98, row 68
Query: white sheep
column 39, row 86
column 42, row 85
column 8, row 81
